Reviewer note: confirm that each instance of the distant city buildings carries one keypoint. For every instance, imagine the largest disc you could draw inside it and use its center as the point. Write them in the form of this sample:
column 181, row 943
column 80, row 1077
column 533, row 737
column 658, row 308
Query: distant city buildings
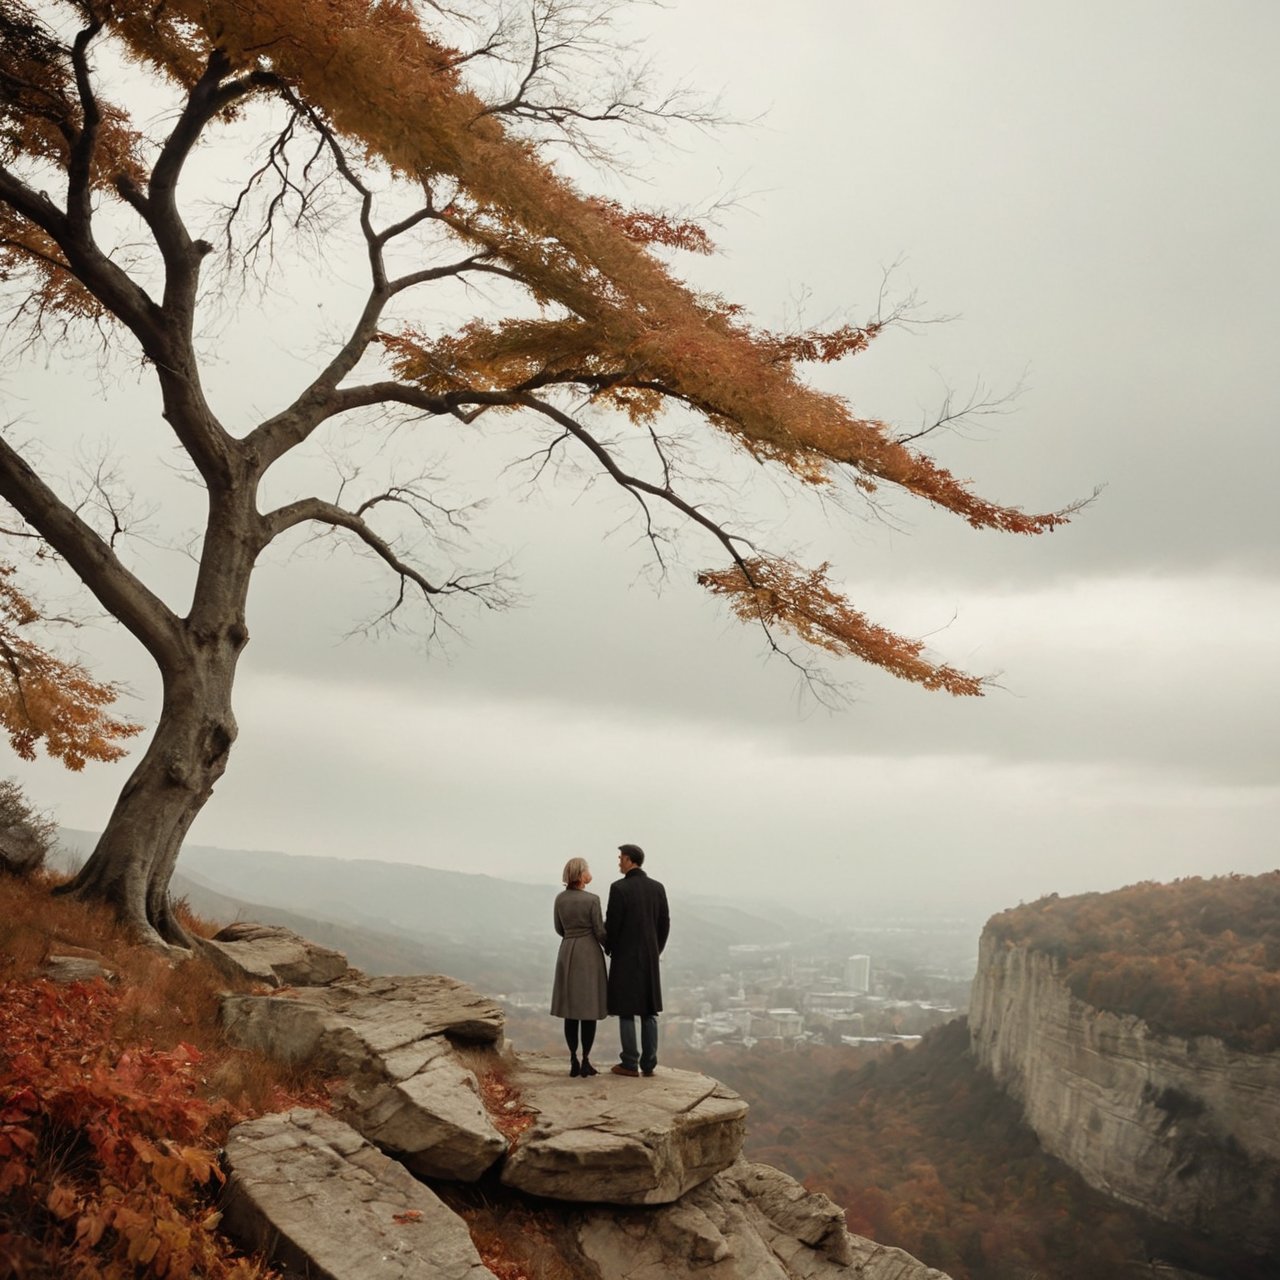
column 857, row 973
column 782, row 995
column 771, row 996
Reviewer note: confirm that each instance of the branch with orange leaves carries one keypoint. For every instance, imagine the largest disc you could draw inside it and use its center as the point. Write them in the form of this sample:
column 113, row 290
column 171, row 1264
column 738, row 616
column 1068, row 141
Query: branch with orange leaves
column 46, row 699
column 776, row 593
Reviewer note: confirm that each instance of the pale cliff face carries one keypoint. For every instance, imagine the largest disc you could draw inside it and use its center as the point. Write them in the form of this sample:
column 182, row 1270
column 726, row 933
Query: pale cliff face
column 1186, row 1130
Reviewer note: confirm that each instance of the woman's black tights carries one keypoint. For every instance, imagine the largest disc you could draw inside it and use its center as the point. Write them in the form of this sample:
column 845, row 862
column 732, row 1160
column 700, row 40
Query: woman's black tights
column 571, row 1026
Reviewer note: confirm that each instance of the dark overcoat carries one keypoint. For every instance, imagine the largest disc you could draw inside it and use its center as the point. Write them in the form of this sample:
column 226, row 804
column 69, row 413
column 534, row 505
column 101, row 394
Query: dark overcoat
column 636, row 927
column 578, row 989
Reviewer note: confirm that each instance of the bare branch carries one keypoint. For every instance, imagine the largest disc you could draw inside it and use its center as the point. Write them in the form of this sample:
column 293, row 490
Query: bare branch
column 638, row 487
column 980, row 403
column 487, row 589
column 91, row 557
column 106, row 497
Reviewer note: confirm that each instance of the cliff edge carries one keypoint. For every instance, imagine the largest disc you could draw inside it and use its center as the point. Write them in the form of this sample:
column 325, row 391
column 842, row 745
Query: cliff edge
column 1185, row 1129
column 438, row 1117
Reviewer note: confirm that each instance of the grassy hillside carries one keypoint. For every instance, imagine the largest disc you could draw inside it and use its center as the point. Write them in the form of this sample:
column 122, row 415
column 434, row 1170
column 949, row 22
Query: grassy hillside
column 116, row 1095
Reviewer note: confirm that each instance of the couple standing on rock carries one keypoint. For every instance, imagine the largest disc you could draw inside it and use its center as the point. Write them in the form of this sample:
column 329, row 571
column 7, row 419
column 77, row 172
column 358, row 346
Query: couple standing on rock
column 632, row 933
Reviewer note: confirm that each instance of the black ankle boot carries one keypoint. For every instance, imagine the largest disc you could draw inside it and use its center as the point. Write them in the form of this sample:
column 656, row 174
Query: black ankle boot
column 574, row 1068
column 588, row 1069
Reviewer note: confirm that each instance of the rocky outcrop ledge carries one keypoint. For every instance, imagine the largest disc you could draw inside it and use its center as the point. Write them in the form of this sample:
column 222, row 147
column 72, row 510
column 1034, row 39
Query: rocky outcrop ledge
column 1186, row 1130
column 643, row 1178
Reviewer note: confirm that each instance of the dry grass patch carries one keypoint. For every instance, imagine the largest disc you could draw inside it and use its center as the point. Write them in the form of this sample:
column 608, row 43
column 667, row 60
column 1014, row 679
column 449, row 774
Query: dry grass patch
column 501, row 1098
column 517, row 1239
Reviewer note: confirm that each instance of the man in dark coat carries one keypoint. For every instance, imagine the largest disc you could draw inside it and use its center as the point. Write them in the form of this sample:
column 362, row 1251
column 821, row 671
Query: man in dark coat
column 636, row 925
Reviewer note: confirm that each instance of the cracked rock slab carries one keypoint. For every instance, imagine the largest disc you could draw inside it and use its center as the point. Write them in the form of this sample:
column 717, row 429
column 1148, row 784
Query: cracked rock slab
column 313, row 1194
column 433, row 1121
column 274, row 955
column 751, row 1222
column 409, row 1093
column 616, row 1140
column 363, row 1024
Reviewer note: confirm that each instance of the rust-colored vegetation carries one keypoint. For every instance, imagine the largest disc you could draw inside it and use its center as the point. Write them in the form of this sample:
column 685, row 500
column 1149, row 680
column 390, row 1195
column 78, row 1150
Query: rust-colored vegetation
column 517, row 1239
column 599, row 311
column 115, row 1096
column 503, row 1101
column 1192, row 958
column 924, row 1151
column 47, row 699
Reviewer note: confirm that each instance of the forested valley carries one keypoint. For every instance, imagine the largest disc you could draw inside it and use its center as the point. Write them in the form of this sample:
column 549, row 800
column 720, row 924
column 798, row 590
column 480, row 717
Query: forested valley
column 924, row 1151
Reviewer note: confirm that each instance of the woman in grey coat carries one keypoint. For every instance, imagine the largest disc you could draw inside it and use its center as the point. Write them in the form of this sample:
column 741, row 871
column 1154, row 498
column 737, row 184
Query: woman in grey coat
column 580, row 992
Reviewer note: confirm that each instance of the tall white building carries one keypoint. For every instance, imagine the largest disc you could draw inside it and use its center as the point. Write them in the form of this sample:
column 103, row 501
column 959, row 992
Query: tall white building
column 857, row 973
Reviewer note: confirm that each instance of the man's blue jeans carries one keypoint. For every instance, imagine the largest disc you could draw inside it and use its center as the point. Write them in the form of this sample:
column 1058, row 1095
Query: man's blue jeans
column 647, row 1057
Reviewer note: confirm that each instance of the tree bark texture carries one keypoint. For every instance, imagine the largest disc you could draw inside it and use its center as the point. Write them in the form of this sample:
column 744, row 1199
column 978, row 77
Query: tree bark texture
column 134, row 859
column 132, row 864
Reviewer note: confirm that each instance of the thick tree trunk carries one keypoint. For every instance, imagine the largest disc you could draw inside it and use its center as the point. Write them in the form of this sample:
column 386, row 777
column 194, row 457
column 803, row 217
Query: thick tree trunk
column 132, row 864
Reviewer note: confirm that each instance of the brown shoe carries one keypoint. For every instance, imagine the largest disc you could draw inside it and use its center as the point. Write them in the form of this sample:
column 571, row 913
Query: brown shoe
column 619, row 1070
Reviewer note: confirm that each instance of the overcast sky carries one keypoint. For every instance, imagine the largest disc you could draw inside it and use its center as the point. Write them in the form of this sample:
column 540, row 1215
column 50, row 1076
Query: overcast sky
column 1089, row 191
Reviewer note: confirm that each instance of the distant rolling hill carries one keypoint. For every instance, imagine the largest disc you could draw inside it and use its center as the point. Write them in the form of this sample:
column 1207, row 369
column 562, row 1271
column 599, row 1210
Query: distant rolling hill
column 394, row 917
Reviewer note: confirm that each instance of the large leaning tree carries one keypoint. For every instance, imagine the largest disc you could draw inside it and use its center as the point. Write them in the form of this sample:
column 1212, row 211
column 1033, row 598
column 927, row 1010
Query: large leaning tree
column 440, row 153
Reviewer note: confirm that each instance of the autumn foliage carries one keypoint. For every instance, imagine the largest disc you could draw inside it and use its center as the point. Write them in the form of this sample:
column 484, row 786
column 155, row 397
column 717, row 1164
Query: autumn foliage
column 104, row 1155
column 598, row 313
column 923, row 1150
column 114, row 1100
column 46, row 699
column 1198, row 957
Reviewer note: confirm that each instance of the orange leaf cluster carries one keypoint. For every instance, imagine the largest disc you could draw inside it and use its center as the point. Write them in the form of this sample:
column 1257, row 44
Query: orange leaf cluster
column 779, row 593
column 102, row 1163
column 25, row 251
column 820, row 346
column 46, row 699
column 40, row 112
column 40, row 121
column 648, row 227
column 381, row 79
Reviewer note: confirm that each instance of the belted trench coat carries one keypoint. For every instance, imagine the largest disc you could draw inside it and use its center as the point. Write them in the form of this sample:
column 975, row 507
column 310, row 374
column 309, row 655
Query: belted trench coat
column 578, row 990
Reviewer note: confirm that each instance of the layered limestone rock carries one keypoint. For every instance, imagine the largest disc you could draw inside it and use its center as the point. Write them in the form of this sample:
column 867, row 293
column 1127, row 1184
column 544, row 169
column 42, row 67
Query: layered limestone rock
column 320, row 1197
column 314, row 1195
column 751, row 1222
column 408, row 1090
column 309, row 1191
column 432, row 1120
column 1186, row 1130
column 621, row 1141
column 386, row 1026
column 274, row 955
